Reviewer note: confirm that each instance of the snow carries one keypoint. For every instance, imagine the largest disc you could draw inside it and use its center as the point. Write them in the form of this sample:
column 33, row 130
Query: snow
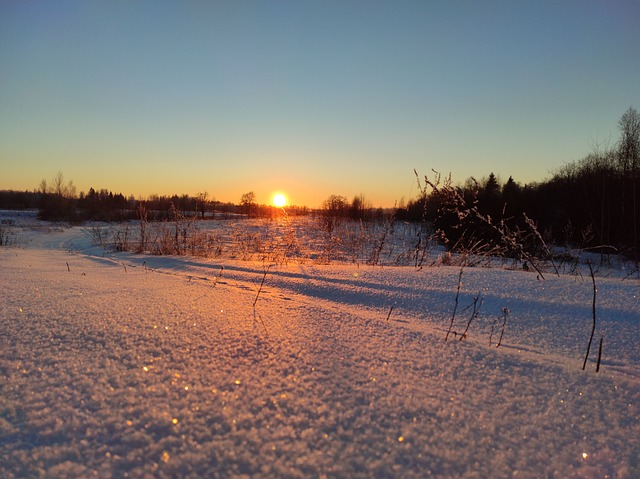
column 123, row 365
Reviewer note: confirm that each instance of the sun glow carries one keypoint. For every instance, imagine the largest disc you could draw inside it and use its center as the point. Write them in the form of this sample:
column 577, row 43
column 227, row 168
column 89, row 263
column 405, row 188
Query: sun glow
column 279, row 200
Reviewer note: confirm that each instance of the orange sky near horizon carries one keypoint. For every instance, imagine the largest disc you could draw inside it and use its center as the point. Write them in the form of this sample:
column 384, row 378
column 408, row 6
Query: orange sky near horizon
column 309, row 98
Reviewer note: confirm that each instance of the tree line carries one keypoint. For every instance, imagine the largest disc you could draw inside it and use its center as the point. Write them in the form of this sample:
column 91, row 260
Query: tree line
column 591, row 203
column 58, row 200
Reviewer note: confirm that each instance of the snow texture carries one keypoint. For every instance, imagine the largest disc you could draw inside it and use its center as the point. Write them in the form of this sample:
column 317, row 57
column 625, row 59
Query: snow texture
column 124, row 365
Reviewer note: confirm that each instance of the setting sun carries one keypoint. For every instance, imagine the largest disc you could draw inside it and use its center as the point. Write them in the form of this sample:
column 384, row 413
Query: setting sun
column 279, row 200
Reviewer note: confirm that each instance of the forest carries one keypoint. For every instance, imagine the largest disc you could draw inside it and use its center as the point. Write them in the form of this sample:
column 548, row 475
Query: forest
column 591, row 203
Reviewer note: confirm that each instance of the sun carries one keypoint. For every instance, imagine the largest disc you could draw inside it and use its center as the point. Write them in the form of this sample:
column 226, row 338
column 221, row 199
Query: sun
column 279, row 200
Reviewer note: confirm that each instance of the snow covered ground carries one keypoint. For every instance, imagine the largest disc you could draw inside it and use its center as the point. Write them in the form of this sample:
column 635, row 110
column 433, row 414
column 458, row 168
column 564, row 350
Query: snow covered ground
column 121, row 365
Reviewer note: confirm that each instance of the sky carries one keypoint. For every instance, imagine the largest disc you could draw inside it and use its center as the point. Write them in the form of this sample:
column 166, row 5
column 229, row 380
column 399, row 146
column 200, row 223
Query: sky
column 309, row 98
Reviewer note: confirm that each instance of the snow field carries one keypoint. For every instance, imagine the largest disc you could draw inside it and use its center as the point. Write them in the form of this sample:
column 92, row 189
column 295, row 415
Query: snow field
column 138, row 366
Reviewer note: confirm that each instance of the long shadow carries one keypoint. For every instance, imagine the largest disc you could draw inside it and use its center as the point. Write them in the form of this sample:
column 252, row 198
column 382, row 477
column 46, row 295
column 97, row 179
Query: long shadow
column 349, row 291
column 420, row 301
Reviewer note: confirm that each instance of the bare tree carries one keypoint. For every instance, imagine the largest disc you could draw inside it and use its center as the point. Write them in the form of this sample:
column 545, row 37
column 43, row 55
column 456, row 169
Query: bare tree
column 58, row 184
column 202, row 200
column 43, row 188
column 57, row 199
column 629, row 144
column 247, row 201
column 334, row 210
column 360, row 208
column 629, row 159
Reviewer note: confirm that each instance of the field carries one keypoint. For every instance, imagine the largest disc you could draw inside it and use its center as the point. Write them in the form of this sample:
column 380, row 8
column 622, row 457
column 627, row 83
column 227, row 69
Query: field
column 117, row 364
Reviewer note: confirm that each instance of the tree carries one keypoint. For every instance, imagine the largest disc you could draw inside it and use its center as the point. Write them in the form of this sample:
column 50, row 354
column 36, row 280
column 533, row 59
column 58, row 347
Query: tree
column 335, row 206
column 43, row 188
column 202, row 200
column 360, row 208
column 489, row 197
column 629, row 158
column 247, row 201
column 511, row 193
column 58, row 200
column 334, row 210
column 629, row 144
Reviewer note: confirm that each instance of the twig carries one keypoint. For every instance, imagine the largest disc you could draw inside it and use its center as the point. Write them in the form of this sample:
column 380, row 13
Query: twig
column 261, row 284
column 455, row 307
column 256, row 315
column 68, row 268
column 593, row 327
column 599, row 355
column 505, row 312
column 493, row 327
column 219, row 276
column 476, row 310
column 389, row 315
column 537, row 234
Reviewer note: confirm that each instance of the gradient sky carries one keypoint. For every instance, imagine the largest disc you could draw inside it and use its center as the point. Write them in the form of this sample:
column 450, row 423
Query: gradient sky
column 307, row 97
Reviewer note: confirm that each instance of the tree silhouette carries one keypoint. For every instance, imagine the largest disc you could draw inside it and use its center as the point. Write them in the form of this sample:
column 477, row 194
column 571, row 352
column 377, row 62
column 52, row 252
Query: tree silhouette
column 247, row 202
column 629, row 159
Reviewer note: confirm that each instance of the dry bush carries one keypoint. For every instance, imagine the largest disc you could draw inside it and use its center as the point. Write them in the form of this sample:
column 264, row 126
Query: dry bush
column 280, row 240
column 477, row 236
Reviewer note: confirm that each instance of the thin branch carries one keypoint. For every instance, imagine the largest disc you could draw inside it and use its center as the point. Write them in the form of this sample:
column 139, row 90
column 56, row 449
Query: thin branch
column 257, row 317
column 220, row 275
column 261, row 284
column 477, row 304
column 593, row 327
column 599, row 355
column 455, row 308
column 505, row 312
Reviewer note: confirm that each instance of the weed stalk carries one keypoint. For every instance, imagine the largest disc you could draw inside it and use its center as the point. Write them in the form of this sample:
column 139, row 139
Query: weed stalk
column 477, row 304
column 264, row 276
column 389, row 315
column 455, row 307
column 218, row 279
column 593, row 311
column 505, row 312
column 599, row 355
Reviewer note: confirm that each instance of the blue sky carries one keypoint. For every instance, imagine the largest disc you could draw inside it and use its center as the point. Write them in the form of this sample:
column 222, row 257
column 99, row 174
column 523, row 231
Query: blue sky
column 311, row 98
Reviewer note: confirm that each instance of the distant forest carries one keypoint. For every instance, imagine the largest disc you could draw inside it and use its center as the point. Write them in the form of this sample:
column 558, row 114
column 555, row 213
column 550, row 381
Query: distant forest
column 593, row 203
